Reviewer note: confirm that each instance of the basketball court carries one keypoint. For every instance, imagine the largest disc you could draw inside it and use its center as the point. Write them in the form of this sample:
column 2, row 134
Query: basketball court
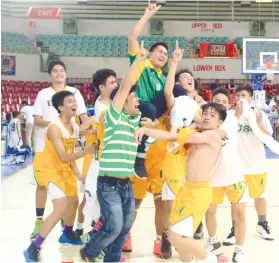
column 18, row 214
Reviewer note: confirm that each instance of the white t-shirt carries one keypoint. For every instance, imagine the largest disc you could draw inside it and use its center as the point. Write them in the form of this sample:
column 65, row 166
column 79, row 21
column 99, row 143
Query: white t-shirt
column 250, row 147
column 43, row 107
column 228, row 168
column 183, row 112
column 271, row 104
column 99, row 108
column 28, row 113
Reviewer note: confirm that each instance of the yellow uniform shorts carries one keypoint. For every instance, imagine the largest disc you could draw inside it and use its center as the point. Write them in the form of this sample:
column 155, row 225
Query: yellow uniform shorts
column 64, row 180
column 174, row 172
column 256, row 184
column 189, row 207
column 235, row 194
column 154, row 162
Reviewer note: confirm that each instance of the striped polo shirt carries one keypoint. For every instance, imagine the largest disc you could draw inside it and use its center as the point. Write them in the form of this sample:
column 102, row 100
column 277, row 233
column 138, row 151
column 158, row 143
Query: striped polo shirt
column 150, row 82
column 120, row 149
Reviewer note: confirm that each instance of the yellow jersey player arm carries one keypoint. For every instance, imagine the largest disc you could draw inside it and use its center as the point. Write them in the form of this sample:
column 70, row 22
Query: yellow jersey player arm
column 54, row 135
column 133, row 46
column 76, row 172
column 127, row 82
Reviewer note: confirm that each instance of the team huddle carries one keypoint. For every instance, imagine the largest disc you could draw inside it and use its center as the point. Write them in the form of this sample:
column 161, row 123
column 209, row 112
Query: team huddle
column 150, row 134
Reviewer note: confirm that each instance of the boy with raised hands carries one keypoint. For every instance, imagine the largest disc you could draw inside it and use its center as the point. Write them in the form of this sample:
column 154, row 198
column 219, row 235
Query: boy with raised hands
column 114, row 189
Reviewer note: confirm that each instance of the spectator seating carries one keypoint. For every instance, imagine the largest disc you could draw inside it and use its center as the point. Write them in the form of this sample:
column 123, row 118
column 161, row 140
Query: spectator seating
column 17, row 43
column 14, row 92
column 102, row 46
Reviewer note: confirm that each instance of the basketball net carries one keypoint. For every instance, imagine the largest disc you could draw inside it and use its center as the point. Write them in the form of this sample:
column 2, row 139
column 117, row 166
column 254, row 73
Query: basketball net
column 269, row 66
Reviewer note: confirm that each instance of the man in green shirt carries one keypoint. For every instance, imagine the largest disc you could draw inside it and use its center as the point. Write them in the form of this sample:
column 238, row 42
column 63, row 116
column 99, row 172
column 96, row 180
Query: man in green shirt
column 114, row 190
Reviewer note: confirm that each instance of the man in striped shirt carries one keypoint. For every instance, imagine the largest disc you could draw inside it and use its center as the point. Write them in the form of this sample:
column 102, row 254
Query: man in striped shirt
column 114, row 190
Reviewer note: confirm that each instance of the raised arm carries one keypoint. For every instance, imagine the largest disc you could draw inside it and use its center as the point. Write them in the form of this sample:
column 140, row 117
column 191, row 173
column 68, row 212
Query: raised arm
column 133, row 46
column 128, row 80
column 207, row 137
column 155, row 134
column 54, row 135
column 177, row 56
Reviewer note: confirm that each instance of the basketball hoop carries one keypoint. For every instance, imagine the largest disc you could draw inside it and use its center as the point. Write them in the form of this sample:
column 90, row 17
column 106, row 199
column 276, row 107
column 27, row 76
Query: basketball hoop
column 269, row 66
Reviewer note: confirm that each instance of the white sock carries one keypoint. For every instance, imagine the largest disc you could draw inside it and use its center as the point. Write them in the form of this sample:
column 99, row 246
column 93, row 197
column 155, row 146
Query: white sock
column 214, row 239
column 158, row 238
column 239, row 248
column 79, row 226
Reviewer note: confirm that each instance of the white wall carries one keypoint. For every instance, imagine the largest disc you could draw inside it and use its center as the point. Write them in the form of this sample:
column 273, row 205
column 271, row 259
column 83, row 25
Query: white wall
column 28, row 67
column 123, row 27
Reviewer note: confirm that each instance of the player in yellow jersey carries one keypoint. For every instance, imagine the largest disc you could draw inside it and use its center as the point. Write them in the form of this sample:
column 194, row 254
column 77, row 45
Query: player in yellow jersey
column 58, row 172
column 195, row 196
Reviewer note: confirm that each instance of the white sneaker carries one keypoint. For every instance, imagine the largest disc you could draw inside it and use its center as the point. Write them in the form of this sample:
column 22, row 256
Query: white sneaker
column 238, row 256
column 230, row 240
column 264, row 230
column 211, row 258
column 212, row 245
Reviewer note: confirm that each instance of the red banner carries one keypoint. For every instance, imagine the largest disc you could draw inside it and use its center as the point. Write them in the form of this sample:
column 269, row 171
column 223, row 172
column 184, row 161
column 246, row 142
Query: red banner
column 44, row 13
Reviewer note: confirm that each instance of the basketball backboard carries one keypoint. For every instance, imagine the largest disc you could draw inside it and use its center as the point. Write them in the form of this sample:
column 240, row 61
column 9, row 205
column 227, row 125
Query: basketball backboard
column 257, row 52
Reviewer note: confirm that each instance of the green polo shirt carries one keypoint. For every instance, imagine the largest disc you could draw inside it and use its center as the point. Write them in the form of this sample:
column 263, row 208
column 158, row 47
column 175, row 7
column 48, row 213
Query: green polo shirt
column 150, row 82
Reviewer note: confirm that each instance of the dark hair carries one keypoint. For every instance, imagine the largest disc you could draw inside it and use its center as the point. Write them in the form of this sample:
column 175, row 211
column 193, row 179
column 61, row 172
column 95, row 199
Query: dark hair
column 100, row 77
column 89, row 102
column 159, row 44
column 133, row 89
column 58, row 98
column 247, row 88
column 53, row 63
column 221, row 91
column 15, row 114
column 24, row 102
column 8, row 117
column 181, row 71
column 222, row 111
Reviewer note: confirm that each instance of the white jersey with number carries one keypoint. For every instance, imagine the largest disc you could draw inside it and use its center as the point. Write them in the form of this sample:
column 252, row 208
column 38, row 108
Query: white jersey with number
column 14, row 133
column 250, row 147
column 43, row 107
column 228, row 168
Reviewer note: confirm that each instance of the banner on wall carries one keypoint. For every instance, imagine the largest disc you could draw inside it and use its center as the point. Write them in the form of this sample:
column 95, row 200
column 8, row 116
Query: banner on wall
column 8, row 65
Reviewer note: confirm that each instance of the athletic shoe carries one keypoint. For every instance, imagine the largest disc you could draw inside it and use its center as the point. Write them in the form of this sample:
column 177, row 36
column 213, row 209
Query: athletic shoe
column 264, row 230
column 230, row 240
column 212, row 245
column 36, row 231
column 70, row 238
column 238, row 256
column 85, row 238
column 157, row 248
column 98, row 225
column 127, row 247
column 99, row 258
column 31, row 254
column 199, row 232
column 166, row 251
column 79, row 232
